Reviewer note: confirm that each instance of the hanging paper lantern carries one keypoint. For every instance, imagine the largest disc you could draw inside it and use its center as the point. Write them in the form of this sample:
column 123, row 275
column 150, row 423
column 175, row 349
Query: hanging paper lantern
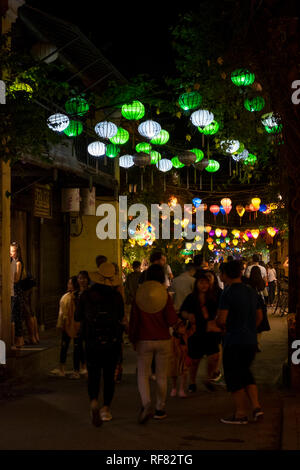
column 229, row 146
column 77, row 106
column 149, row 129
column 199, row 154
column 197, row 201
column 240, row 156
column 240, row 210
column 96, row 149
column 187, row 158
column 250, row 160
column 223, row 245
column 218, row 232
column 262, row 208
column 190, row 100
column 58, row 122
column 235, row 233
column 214, row 209
column 74, row 129
column 155, row 157
column 202, row 164
column 207, row 228
column 161, row 139
column 226, row 203
column 269, row 120
column 235, row 242
column 106, row 129
column 242, row 77
column 142, row 159
column 227, row 239
column 271, row 231
column 255, row 233
column 176, row 163
column 121, row 137
column 245, row 237
column 134, row 110
column 112, row 150
column 211, row 247
column 209, row 240
column 126, row 161
column 218, row 241
column 211, row 129
column 18, row 86
column 143, row 147
column 202, row 118
column 274, row 129
column 224, row 232
column 212, row 166
column 256, row 104
column 212, row 233
column 222, row 210
column 256, row 203
column 164, row 165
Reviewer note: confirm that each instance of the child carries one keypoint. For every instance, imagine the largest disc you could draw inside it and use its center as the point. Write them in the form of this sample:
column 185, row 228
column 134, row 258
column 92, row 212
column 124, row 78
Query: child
column 179, row 360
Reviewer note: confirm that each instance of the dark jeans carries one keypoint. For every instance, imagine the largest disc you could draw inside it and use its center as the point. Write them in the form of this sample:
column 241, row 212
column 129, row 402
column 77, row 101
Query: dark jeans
column 237, row 360
column 102, row 357
column 78, row 351
column 272, row 286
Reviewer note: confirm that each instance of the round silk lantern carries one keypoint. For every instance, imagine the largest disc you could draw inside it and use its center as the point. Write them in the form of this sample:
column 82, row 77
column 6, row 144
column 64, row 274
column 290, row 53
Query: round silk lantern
column 149, row 129
column 126, row 161
column 187, row 158
column 202, row 118
column 58, row 122
column 190, row 100
column 106, row 129
column 134, row 110
column 96, row 149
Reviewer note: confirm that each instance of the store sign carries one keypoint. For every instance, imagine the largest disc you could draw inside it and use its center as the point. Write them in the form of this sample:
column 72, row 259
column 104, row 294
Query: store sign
column 42, row 202
column 70, row 200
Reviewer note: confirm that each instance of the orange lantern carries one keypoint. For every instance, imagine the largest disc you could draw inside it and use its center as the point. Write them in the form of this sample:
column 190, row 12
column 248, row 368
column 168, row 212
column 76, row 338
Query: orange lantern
column 224, row 232
column 240, row 210
column 223, row 245
column 207, row 228
column 209, row 240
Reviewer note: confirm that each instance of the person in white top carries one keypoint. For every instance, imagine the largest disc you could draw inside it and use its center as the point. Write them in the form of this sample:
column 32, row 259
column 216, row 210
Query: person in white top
column 272, row 279
column 183, row 285
column 255, row 259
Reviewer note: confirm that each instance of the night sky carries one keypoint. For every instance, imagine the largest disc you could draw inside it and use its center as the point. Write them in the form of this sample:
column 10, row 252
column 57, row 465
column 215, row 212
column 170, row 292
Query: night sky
column 135, row 40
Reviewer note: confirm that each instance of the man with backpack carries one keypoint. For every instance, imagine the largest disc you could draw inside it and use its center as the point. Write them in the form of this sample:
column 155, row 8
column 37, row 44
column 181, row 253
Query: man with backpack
column 100, row 312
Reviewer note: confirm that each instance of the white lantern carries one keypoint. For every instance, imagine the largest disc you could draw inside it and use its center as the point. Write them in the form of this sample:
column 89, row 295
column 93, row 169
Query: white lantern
column 164, row 165
column 241, row 156
column 149, row 129
column 58, row 122
column 126, row 161
column 97, row 149
column 106, row 129
column 230, row 146
column 202, row 118
column 269, row 120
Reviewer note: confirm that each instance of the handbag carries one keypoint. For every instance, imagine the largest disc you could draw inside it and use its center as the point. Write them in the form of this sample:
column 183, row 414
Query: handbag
column 28, row 283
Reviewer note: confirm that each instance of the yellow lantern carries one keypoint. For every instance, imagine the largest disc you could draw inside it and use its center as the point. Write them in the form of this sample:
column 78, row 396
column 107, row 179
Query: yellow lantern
column 236, row 233
column 271, row 231
column 235, row 242
column 173, row 201
column 255, row 233
column 142, row 242
column 273, row 207
column 131, row 241
column 256, row 203
column 245, row 237
column 208, row 228
column 240, row 210
column 223, row 245
column 199, row 247
column 211, row 247
column 197, row 238
column 188, row 246
column 218, row 232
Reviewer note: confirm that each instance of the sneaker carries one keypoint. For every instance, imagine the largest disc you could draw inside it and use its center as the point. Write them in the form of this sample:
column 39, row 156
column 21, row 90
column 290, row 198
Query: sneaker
column 217, row 378
column 257, row 413
column 57, row 373
column 173, row 392
column 234, row 420
column 83, row 371
column 105, row 414
column 145, row 414
column 74, row 375
column 160, row 414
column 192, row 388
column 96, row 418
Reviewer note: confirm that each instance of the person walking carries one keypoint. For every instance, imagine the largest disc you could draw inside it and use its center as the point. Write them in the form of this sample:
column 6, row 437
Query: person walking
column 100, row 312
column 152, row 315
column 131, row 285
column 256, row 262
column 183, row 285
column 272, row 280
column 239, row 315
column 200, row 308
column 83, row 283
column 69, row 328
column 157, row 257
column 18, row 298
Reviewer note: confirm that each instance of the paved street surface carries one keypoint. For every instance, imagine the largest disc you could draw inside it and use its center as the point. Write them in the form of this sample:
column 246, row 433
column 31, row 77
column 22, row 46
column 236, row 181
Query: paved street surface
column 53, row 413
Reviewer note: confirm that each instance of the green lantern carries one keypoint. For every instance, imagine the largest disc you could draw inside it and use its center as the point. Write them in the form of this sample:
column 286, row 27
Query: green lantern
column 112, row 150
column 227, row 239
column 177, row 163
column 74, row 129
column 121, row 137
column 250, row 160
column 274, row 129
column 256, row 104
column 155, row 157
column 134, row 110
column 212, row 166
column 242, row 77
column 211, row 129
column 190, row 100
column 240, row 149
column 143, row 147
column 161, row 139
column 77, row 106
column 199, row 154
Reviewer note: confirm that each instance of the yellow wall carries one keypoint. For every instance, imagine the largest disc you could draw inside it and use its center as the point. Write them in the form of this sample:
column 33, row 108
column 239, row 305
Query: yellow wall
column 85, row 248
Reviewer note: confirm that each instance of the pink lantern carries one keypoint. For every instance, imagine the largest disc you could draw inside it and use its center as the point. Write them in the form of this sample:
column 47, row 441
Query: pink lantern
column 214, row 210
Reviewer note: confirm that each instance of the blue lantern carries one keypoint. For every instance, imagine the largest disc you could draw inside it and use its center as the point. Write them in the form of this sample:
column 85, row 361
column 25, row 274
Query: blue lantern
column 262, row 208
column 197, row 201
column 222, row 210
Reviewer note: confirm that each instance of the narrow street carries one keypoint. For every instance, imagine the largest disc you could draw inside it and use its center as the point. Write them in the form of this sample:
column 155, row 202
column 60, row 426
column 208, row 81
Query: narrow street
column 53, row 413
